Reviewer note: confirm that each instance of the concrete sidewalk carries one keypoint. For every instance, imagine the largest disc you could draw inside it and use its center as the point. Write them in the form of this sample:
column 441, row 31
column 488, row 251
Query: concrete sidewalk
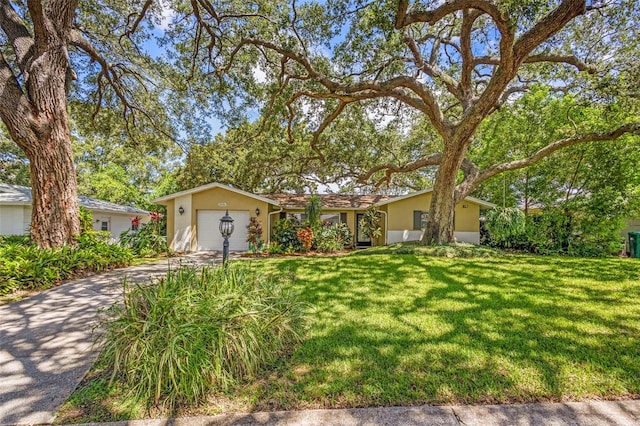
column 592, row 413
column 46, row 341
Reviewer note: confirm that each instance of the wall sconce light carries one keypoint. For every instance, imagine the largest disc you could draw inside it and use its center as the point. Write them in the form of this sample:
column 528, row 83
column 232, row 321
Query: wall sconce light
column 257, row 211
column 181, row 210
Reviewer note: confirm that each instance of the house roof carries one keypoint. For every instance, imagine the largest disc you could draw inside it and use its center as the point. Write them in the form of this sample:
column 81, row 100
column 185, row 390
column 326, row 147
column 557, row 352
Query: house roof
column 21, row 195
column 329, row 201
column 162, row 200
column 425, row 191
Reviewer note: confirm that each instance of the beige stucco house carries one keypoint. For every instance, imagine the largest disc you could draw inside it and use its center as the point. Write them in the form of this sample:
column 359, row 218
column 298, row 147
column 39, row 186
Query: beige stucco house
column 193, row 215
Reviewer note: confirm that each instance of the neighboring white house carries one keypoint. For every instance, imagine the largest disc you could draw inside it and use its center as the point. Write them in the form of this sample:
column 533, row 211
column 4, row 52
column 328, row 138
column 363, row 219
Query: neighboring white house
column 15, row 212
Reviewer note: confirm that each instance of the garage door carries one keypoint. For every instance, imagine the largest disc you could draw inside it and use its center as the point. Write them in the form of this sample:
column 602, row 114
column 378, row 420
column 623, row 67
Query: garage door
column 209, row 237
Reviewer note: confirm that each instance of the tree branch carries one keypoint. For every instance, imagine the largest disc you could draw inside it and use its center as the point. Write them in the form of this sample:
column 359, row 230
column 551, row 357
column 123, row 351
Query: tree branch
column 547, row 26
column 431, row 160
column 469, row 185
column 430, row 17
column 15, row 109
column 424, row 100
column 543, row 57
column 18, row 35
column 40, row 27
column 468, row 18
column 432, row 70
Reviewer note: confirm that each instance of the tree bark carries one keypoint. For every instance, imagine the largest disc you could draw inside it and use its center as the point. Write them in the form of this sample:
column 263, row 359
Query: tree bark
column 55, row 217
column 440, row 225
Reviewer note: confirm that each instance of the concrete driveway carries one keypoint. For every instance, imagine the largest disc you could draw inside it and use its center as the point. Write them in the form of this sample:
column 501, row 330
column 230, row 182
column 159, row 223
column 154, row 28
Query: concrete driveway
column 46, row 341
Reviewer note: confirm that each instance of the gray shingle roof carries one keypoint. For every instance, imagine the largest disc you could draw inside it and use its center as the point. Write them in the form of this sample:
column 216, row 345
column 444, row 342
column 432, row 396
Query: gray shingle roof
column 15, row 194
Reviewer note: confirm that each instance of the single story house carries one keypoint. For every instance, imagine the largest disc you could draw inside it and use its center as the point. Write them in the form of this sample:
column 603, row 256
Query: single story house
column 15, row 212
column 193, row 215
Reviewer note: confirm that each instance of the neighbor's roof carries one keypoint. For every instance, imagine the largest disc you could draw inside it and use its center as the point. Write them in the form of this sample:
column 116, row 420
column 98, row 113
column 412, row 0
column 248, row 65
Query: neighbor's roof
column 329, row 201
column 21, row 195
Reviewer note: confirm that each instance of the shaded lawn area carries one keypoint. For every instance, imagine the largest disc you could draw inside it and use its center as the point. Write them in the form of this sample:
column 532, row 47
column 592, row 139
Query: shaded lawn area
column 406, row 330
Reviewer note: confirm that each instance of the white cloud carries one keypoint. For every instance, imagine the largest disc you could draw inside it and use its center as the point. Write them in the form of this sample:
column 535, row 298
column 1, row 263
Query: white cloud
column 166, row 17
column 259, row 74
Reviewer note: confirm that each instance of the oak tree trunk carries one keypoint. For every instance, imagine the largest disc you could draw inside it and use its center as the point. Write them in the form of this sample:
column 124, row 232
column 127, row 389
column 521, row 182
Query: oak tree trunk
column 440, row 225
column 55, row 217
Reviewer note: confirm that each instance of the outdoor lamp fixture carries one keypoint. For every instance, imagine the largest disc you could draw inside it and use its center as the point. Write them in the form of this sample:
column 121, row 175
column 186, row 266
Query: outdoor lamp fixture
column 257, row 211
column 181, row 210
column 226, row 229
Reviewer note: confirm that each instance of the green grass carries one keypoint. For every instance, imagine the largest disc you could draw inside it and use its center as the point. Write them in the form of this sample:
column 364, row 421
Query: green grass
column 412, row 329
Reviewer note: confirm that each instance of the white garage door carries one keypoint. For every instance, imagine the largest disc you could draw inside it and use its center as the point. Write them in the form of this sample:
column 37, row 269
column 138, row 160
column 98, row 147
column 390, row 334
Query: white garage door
column 209, row 237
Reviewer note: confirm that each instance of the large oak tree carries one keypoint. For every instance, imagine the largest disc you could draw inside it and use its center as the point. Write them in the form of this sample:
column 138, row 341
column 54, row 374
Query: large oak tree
column 51, row 49
column 453, row 62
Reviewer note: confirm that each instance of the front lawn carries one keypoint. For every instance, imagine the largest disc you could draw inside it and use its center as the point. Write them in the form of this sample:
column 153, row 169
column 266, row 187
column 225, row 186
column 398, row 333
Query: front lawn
column 406, row 329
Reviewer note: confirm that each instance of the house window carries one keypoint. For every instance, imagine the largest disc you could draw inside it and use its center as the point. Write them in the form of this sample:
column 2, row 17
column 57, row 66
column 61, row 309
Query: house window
column 104, row 226
column 300, row 217
column 330, row 218
column 420, row 219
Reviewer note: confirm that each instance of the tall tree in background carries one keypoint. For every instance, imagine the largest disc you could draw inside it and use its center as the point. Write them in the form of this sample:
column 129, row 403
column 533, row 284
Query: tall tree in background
column 454, row 62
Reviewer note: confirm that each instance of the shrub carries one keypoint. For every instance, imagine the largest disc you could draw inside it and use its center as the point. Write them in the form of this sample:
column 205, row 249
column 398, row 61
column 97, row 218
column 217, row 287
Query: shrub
column 197, row 331
column 24, row 266
column 148, row 239
column 254, row 235
column 305, row 235
column 285, row 234
column 274, row 248
column 333, row 237
column 313, row 211
column 505, row 224
column 370, row 223
column 20, row 240
column 86, row 220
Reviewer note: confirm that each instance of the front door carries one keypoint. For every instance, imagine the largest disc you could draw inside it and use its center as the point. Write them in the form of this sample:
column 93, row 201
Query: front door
column 361, row 239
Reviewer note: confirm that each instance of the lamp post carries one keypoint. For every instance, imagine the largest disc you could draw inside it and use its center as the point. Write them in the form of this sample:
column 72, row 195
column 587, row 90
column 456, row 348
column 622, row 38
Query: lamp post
column 226, row 229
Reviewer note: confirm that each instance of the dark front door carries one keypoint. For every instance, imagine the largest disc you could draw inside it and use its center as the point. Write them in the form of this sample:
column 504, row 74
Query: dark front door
column 361, row 239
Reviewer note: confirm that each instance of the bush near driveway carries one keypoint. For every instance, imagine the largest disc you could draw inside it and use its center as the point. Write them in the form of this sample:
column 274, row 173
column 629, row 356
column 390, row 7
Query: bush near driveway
column 24, row 266
column 199, row 331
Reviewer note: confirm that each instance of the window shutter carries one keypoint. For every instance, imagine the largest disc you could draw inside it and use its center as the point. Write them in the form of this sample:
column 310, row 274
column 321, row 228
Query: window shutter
column 343, row 218
column 417, row 219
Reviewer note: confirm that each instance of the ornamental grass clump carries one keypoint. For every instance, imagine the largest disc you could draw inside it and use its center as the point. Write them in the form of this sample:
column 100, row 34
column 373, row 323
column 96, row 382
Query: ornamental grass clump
column 199, row 331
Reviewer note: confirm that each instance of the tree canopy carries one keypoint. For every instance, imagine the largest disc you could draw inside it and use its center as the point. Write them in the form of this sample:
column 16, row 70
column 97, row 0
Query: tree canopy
column 448, row 66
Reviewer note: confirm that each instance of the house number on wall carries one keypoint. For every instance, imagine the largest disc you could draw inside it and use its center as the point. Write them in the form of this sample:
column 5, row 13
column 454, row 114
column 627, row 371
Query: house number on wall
column 222, row 204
